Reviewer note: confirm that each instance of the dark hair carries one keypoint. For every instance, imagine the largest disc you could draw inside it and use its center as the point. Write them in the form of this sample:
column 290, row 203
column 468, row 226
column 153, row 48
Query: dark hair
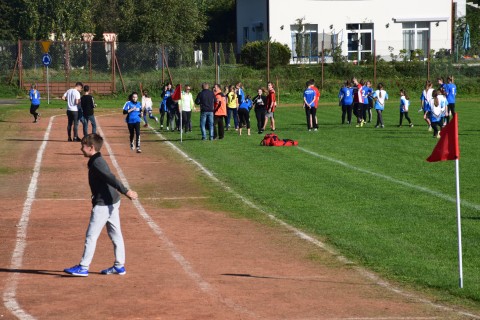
column 94, row 140
column 435, row 98
column 130, row 97
column 380, row 87
column 86, row 88
column 79, row 84
column 405, row 93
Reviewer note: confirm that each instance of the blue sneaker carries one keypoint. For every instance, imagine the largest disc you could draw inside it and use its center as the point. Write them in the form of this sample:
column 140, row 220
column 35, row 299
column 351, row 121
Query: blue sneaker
column 114, row 270
column 77, row 270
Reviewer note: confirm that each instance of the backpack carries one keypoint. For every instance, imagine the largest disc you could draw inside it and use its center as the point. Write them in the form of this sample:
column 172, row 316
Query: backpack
column 272, row 140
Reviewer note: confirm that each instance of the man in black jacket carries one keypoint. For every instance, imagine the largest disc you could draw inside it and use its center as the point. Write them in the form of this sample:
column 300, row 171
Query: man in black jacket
column 206, row 100
column 106, row 203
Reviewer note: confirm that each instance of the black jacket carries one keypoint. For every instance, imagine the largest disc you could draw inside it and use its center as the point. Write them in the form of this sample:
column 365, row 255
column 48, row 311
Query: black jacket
column 260, row 102
column 206, row 100
column 87, row 103
column 103, row 184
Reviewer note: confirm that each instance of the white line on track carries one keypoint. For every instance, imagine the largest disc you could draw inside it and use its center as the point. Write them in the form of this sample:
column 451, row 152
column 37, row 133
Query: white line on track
column 149, row 198
column 369, row 275
column 437, row 194
column 9, row 294
column 174, row 252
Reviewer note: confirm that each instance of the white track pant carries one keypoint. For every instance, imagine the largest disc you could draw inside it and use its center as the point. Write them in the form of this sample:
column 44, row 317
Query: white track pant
column 101, row 216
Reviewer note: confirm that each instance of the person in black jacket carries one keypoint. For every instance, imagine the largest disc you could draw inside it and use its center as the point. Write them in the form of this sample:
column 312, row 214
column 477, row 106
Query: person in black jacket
column 206, row 100
column 88, row 104
column 105, row 212
column 260, row 107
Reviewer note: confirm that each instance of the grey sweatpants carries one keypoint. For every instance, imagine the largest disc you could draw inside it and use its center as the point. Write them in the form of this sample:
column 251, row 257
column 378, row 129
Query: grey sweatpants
column 101, row 216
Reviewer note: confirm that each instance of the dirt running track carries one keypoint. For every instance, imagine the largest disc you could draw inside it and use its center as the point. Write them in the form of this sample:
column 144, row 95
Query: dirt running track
column 183, row 260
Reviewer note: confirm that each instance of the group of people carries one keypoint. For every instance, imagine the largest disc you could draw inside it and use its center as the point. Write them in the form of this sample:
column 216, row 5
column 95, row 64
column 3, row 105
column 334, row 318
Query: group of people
column 220, row 109
column 437, row 104
column 80, row 108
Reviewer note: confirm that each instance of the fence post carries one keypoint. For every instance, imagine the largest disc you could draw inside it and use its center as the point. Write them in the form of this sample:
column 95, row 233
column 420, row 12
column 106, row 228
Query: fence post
column 375, row 62
column 20, row 63
column 216, row 62
column 163, row 65
column 428, row 55
column 268, row 60
column 323, row 61
column 114, row 57
column 67, row 65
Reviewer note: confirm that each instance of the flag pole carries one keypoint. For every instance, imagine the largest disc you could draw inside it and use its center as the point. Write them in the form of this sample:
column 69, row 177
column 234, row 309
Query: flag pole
column 459, row 225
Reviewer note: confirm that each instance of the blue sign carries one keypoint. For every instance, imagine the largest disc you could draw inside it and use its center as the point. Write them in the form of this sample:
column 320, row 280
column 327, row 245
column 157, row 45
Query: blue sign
column 46, row 59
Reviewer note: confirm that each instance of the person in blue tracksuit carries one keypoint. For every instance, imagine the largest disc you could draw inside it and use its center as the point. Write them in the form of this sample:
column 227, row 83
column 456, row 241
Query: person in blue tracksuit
column 133, row 110
column 34, row 102
column 451, row 93
column 244, row 115
column 346, row 101
column 309, row 104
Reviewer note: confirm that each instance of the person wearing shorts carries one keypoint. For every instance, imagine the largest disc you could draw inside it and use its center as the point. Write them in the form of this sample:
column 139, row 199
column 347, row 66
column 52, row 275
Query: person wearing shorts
column 271, row 106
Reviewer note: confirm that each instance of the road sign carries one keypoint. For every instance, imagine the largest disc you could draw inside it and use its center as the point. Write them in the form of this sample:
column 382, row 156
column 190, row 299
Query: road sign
column 46, row 59
column 45, row 46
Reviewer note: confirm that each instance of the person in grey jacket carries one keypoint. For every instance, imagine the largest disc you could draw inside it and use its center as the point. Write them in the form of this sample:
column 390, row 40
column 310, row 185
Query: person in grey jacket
column 105, row 190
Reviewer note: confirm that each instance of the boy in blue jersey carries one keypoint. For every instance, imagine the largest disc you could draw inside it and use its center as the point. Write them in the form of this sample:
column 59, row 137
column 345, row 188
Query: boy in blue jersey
column 451, row 93
column 346, row 101
column 309, row 96
column 34, row 102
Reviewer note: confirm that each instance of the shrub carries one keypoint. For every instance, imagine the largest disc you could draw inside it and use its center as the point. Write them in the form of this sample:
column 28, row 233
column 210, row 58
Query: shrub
column 255, row 54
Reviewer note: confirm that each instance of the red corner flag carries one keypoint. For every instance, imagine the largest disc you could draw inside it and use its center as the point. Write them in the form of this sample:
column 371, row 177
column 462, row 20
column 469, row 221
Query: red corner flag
column 447, row 146
column 177, row 94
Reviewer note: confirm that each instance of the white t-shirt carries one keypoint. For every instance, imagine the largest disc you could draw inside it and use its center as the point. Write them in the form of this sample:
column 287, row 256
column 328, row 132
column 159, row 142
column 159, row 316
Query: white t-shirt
column 187, row 101
column 72, row 95
column 147, row 103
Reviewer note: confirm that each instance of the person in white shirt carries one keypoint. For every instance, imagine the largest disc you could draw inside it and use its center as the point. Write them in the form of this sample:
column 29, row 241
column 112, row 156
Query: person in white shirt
column 72, row 96
column 187, row 105
column 147, row 108
column 380, row 96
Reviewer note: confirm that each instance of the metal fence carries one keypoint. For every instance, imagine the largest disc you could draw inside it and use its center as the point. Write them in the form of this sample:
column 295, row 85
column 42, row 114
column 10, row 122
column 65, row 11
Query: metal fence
column 118, row 66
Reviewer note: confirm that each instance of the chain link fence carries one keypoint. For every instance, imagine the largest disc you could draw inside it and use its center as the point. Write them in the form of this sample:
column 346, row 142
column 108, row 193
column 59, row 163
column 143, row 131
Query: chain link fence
column 111, row 67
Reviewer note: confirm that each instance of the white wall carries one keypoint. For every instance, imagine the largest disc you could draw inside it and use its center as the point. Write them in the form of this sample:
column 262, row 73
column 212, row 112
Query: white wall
column 338, row 13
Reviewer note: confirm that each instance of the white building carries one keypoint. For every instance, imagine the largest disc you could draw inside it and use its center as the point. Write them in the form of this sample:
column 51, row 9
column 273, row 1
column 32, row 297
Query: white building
column 358, row 27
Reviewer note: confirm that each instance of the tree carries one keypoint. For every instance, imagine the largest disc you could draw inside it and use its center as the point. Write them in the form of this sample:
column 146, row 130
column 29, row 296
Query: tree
column 221, row 54
column 231, row 55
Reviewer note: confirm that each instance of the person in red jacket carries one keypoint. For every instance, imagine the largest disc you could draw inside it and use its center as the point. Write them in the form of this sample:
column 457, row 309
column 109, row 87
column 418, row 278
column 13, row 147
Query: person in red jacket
column 220, row 112
column 271, row 106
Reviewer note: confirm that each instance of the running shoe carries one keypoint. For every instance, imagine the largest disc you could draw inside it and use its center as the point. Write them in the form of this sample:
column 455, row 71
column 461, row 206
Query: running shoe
column 77, row 270
column 114, row 270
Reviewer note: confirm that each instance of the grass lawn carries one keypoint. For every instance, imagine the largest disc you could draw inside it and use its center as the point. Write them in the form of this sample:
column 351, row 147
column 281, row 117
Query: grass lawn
column 368, row 192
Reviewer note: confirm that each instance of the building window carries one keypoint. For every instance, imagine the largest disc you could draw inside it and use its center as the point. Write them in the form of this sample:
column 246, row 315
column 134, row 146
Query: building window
column 415, row 36
column 360, row 40
column 304, row 42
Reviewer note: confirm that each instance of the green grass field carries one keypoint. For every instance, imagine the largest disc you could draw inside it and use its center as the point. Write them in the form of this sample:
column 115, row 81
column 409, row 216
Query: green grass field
column 364, row 190
column 368, row 192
